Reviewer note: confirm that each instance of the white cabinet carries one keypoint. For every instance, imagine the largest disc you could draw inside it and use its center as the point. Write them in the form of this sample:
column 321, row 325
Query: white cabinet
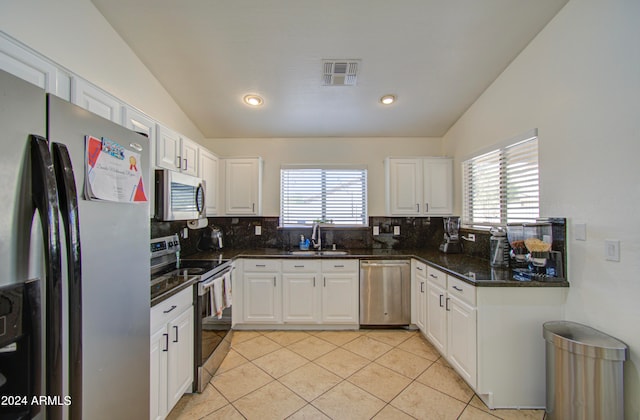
column 301, row 291
column 419, row 186
column 209, row 171
column 28, row 65
column 419, row 276
column 262, row 291
column 340, row 292
column 175, row 152
column 171, row 352
column 451, row 322
column 243, row 186
column 95, row 100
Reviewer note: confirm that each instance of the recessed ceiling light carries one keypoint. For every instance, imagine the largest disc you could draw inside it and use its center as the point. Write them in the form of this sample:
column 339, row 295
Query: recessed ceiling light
column 387, row 99
column 253, row 100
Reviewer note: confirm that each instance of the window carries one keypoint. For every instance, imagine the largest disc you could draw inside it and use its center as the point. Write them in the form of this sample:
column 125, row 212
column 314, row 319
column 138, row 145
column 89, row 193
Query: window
column 329, row 194
column 501, row 186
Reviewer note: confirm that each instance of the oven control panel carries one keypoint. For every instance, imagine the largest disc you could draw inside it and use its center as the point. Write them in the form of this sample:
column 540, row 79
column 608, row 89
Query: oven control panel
column 164, row 246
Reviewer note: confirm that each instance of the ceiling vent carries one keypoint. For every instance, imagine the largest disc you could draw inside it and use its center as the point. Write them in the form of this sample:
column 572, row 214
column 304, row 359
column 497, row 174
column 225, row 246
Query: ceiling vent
column 340, row 72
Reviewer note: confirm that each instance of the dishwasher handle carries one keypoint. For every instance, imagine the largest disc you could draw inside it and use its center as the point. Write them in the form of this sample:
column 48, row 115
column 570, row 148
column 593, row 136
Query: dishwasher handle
column 394, row 264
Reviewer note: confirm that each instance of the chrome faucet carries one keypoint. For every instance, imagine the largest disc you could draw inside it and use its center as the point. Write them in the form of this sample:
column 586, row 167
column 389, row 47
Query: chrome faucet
column 315, row 237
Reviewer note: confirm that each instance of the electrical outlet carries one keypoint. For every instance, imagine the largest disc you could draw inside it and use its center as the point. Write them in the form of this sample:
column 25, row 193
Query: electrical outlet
column 258, row 230
column 471, row 237
column 396, row 230
column 612, row 250
column 185, row 233
column 376, row 230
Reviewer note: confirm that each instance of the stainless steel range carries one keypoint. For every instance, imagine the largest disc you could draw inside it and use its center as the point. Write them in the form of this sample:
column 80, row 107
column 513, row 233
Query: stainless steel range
column 213, row 331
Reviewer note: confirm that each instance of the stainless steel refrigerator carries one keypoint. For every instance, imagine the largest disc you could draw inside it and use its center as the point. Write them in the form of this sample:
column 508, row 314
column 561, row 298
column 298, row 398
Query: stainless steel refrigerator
column 79, row 266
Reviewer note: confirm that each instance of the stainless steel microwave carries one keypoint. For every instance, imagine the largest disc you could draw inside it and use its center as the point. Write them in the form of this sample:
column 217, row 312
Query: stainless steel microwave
column 179, row 196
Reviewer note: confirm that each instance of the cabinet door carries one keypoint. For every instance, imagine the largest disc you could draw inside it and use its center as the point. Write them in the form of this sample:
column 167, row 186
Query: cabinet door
column 189, row 156
column 95, row 100
column 35, row 69
column 340, row 303
column 141, row 123
column 438, row 186
column 404, row 186
column 300, row 298
column 421, row 303
column 180, row 364
column 262, row 302
column 243, row 186
column 158, row 373
column 208, row 170
column 168, row 149
column 436, row 316
column 461, row 345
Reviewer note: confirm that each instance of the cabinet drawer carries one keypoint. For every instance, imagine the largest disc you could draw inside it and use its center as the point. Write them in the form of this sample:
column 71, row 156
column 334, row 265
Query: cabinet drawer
column 165, row 311
column 300, row 266
column 463, row 291
column 437, row 277
column 420, row 268
column 339, row 266
column 261, row 265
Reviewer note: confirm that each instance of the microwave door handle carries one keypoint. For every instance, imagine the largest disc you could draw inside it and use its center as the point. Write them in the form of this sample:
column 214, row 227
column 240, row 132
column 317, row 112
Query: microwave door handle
column 68, row 202
column 45, row 200
column 200, row 192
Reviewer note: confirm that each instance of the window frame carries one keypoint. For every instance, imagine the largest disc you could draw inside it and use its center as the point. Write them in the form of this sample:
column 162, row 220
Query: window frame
column 503, row 150
column 326, row 167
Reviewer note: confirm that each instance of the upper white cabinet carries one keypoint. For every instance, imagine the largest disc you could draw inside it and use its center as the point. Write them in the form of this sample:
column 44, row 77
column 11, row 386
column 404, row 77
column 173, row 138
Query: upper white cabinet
column 419, row 186
column 243, row 186
column 28, row 65
column 209, row 171
column 141, row 123
column 95, row 100
column 176, row 152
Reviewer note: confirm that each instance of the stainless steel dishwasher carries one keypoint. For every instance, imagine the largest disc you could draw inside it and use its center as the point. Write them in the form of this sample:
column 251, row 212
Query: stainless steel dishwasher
column 385, row 292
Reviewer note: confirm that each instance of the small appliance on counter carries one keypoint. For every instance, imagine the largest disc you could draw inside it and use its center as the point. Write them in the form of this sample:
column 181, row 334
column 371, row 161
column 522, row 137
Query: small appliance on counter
column 499, row 247
column 543, row 263
column 211, row 239
column 451, row 243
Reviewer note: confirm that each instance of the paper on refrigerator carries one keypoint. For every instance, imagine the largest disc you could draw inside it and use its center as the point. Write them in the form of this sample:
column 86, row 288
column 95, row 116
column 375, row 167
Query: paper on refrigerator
column 112, row 172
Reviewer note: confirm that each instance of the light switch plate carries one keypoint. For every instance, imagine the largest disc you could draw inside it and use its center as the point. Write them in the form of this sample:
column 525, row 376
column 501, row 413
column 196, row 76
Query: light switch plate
column 185, row 233
column 376, row 230
column 612, row 250
column 258, row 230
column 580, row 231
column 396, row 230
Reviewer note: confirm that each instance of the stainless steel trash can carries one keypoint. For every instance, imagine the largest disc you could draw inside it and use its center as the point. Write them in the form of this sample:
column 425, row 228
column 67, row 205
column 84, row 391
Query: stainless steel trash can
column 584, row 372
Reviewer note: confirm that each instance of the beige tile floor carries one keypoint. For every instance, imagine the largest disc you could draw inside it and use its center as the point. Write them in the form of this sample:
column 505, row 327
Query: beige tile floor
column 381, row 374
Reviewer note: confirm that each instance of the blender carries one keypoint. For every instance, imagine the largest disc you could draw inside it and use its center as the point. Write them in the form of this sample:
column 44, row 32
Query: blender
column 451, row 243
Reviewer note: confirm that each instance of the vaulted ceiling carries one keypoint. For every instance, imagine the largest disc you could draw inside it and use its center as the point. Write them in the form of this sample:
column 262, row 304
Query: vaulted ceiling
column 436, row 56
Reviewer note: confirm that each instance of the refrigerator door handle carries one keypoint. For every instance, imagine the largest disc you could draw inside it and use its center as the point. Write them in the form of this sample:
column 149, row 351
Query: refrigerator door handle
column 45, row 200
column 68, row 202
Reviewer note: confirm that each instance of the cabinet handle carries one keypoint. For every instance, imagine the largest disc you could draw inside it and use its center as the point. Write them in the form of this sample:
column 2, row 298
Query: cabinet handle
column 426, row 207
column 274, row 281
column 433, row 276
column 170, row 309
column 166, row 342
column 421, row 287
column 253, row 207
column 179, row 162
column 298, row 266
column 176, row 329
column 186, row 164
column 325, row 281
column 338, row 266
column 447, row 304
column 441, row 305
column 457, row 288
column 314, row 281
column 261, row 265
column 419, row 268
column 418, row 206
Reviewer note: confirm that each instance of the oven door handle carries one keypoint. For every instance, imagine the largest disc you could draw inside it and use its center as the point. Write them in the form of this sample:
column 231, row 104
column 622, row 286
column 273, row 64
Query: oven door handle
column 205, row 285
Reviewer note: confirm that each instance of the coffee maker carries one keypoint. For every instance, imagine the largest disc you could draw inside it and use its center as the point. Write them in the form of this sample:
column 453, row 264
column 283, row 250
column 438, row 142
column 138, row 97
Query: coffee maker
column 532, row 249
column 451, row 242
column 211, row 239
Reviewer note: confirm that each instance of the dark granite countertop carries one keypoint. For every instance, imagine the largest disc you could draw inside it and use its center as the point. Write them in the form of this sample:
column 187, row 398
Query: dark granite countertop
column 472, row 270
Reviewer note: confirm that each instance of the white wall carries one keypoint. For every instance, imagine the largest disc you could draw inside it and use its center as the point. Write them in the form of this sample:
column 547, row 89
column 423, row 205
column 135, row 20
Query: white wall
column 578, row 82
column 369, row 151
column 74, row 34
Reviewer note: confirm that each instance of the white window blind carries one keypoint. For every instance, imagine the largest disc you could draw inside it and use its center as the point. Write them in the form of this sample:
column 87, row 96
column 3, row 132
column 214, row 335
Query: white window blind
column 330, row 195
column 502, row 186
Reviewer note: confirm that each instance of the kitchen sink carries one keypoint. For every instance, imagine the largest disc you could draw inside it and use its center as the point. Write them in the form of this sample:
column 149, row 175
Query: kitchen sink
column 318, row 253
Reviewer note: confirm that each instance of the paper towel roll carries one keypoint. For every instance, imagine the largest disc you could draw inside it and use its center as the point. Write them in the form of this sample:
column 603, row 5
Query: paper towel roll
column 197, row 224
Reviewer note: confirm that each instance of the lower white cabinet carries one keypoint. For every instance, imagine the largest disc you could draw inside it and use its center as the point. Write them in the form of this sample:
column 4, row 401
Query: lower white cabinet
column 299, row 291
column 172, row 329
column 419, row 276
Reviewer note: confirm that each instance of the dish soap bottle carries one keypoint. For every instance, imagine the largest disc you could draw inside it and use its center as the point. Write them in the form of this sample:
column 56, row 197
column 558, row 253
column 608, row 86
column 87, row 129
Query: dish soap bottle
column 304, row 245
